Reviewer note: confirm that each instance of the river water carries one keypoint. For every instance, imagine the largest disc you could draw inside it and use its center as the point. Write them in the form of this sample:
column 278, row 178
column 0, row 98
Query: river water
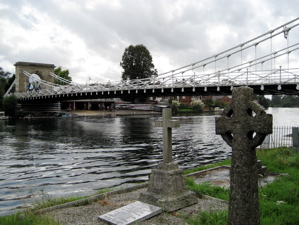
column 79, row 155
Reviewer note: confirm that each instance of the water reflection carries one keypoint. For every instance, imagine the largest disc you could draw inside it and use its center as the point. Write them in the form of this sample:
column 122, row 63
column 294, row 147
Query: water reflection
column 284, row 116
column 80, row 155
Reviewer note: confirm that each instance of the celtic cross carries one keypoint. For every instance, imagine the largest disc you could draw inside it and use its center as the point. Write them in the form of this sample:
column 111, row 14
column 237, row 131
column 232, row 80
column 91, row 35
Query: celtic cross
column 243, row 125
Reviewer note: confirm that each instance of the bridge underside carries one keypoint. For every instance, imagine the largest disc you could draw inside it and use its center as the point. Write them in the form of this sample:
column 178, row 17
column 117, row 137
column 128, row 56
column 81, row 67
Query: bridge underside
column 288, row 89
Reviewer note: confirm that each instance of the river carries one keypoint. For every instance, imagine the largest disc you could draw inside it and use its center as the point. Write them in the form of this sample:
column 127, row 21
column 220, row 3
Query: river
column 79, row 155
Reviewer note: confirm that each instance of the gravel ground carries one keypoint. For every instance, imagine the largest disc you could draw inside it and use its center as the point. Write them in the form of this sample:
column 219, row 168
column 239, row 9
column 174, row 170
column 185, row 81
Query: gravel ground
column 88, row 214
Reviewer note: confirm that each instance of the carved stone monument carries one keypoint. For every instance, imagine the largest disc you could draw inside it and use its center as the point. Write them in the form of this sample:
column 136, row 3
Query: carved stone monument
column 244, row 125
column 166, row 187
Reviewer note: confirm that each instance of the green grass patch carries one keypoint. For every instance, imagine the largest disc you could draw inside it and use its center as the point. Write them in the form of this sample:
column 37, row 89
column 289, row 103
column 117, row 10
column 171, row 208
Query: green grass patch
column 48, row 202
column 226, row 162
column 27, row 218
column 279, row 200
column 187, row 110
column 209, row 218
column 207, row 189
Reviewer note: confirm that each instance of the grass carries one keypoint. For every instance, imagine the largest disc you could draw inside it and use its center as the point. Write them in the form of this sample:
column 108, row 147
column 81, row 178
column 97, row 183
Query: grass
column 279, row 200
column 207, row 189
column 187, row 110
column 209, row 218
column 226, row 162
column 28, row 217
column 48, row 202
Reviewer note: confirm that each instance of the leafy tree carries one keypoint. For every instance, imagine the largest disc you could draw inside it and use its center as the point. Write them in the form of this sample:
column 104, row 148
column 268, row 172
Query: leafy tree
column 276, row 100
column 184, row 106
column 63, row 74
column 2, row 90
column 137, row 63
column 175, row 106
column 263, row 101
column 5, row 82
column 10, row 105
column 218, row 103
column 284, row 101
column 197, row 105
column 209, row 103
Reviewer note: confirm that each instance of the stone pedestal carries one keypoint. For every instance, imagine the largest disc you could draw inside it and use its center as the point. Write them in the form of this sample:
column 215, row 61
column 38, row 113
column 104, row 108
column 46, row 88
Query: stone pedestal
column 167, row 188
column 261, row 170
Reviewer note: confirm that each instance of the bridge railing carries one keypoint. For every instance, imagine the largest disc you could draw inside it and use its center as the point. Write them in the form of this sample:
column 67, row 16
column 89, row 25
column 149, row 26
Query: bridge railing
column 237, row 78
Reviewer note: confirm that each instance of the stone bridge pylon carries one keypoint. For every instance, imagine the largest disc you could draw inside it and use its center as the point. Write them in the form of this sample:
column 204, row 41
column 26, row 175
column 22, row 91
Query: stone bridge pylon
column 41, row 69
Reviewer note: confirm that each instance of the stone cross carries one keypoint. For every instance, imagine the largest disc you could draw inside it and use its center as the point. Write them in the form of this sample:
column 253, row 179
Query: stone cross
column 167, row 125
column 167, row 185
column 243, row 125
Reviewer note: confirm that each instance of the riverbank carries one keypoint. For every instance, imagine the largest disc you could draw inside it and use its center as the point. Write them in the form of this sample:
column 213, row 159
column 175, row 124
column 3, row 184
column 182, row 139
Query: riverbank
column 112, row 113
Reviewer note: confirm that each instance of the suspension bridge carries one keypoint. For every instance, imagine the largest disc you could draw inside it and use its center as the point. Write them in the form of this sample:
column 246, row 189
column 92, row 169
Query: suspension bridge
column 268, row 63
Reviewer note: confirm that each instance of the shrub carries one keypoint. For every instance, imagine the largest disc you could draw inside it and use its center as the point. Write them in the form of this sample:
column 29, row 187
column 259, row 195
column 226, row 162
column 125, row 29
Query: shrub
column 175, row 106
column 10, row 105
column 197, row 105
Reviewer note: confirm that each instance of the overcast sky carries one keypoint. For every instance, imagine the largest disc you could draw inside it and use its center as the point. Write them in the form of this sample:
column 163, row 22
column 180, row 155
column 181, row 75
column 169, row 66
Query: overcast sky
column 88, row 37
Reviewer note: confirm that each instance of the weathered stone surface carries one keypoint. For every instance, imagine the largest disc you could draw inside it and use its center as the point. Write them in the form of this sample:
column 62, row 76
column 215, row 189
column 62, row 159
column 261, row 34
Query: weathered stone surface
column 131, row 214
column 166, row 187
column 41, row 69
column 243, row 125
column 167, row 124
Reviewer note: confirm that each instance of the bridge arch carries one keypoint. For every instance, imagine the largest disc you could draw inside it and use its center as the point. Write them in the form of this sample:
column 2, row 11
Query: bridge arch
column 41, row 69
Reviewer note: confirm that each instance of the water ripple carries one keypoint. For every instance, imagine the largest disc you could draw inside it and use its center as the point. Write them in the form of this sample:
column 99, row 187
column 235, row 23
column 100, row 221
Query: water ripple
column 77, row 156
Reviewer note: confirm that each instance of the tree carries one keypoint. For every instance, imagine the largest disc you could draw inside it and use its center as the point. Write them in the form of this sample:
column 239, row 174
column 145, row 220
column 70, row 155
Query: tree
column 5, row 82
column 219, row 103
column 137, row 63
column 209, row 103
column 63, row 74
column 263, row 101
column 175, row 106
column 276, row 100
column 10, row 105
column 197, row 105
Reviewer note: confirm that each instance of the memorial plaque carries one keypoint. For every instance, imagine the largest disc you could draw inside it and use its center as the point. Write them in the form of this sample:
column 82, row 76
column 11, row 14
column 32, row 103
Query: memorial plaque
column 134, row 212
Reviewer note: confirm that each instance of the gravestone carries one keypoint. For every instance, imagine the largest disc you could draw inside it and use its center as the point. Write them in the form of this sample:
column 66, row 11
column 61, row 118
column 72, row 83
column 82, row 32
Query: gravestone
column 131, row 214
column 166, row 187
column 243, row 125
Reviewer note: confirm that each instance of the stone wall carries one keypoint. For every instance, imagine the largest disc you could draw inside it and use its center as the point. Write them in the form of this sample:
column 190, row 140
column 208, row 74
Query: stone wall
column 40, row 69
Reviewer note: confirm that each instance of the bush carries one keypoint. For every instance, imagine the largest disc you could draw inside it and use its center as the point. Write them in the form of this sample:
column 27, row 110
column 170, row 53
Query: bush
column 183, row 106
column 197, row 105
column 175, row 106
column 10, row 105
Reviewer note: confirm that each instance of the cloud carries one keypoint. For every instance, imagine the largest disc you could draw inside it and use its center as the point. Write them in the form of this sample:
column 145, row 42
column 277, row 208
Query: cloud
column 89, row 37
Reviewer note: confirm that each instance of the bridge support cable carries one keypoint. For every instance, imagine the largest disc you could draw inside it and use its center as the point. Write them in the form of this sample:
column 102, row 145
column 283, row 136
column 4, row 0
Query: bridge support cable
column 7, row 93
column 232, row 51
column 61, row 79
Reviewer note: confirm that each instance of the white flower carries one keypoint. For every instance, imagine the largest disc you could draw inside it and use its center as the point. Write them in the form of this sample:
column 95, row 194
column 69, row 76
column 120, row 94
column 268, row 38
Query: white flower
column 280, row 202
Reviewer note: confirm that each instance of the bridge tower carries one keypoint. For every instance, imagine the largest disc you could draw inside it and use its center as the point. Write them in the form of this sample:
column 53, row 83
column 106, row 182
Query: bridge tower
column 41, row 69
